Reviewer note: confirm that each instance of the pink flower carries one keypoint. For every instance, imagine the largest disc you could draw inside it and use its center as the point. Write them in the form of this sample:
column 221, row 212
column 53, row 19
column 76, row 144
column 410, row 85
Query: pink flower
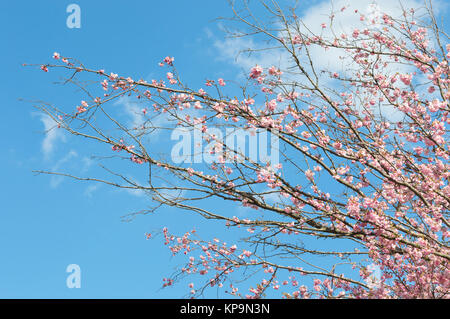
column 105, row 85
column 249, row 101
column 56, row 56
column 169, row 60
column 406, row 78
column 221, row 82
column 256, row 71
column 309, row 175
column 113, row 76
column 274, row 71
column 435, row 105
column 271, row 105
column 305, row 134
column 317, row 283
column 81, row 109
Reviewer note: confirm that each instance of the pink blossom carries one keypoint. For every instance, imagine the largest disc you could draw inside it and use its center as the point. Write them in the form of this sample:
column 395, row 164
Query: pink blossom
column 81, row 109
column 256, row 71
column 309, row 175
column 169, row 60
column 271, row 105
column 274, row 71
column 113, row 76
column 406, row 78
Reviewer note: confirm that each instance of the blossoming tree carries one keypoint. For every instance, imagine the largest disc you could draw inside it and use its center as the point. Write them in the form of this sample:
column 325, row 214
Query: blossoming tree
column 362, row 178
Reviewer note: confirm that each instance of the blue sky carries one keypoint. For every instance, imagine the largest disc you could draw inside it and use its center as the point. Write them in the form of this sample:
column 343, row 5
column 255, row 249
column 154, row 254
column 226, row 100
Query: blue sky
column 47, row 223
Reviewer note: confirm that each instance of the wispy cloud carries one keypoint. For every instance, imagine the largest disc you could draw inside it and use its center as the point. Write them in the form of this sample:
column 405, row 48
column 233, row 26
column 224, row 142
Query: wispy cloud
column 52, row 135
column 345, row 22
column 234, row 49
column 55, row 180
column 245, row 53
column 87, row 163
column 89, row 191
column 136, row 117
column 133, row 110
column 330, row 59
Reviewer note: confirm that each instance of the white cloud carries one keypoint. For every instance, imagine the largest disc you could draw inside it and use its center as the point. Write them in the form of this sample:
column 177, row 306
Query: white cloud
column 345, row 22
column 55, row 180
column 137, row 119
column 232, row 49
column 52, row 135
column 91, row 189
column 133, row 110
column 332, row 60
column 135, row 192
column 87, row 163
column 272, row 198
